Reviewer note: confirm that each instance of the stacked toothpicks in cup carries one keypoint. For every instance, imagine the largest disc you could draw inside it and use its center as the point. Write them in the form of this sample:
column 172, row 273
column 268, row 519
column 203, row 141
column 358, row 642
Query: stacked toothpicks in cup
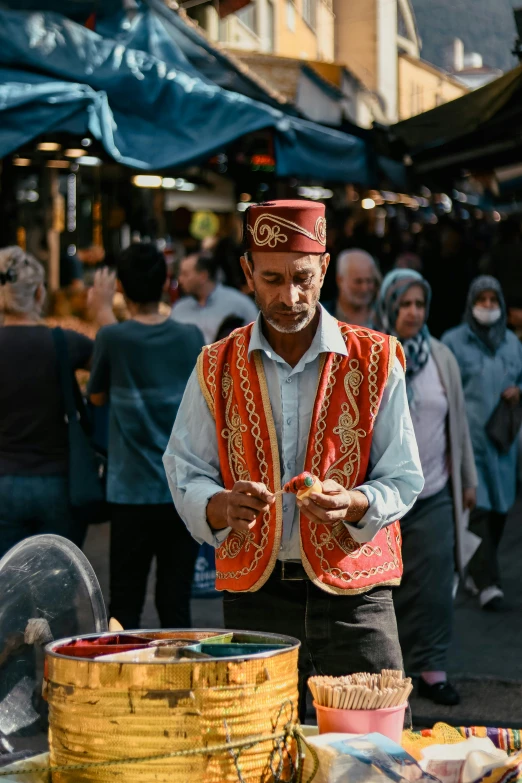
column 362, row 691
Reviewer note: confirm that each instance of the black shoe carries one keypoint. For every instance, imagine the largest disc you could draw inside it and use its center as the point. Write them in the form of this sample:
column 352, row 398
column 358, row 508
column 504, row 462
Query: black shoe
column 440, row 693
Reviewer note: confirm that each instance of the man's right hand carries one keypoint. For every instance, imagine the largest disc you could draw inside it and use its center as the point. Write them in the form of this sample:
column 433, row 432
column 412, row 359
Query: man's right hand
column 239, row 507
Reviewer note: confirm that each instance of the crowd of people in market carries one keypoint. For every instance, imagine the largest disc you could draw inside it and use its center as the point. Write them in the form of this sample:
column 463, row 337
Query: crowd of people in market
column 452, row 296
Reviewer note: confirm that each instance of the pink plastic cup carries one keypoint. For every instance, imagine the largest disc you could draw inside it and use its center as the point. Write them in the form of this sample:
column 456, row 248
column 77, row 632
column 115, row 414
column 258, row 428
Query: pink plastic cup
column 389, row 721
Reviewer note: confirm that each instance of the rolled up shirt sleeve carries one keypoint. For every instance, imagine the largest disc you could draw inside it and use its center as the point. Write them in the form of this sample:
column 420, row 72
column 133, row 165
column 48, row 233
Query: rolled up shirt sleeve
column 395, row 479
column 191, row 463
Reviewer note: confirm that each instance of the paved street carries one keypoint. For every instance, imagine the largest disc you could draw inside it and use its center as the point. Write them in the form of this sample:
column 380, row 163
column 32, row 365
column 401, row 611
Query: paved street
column 486, row 655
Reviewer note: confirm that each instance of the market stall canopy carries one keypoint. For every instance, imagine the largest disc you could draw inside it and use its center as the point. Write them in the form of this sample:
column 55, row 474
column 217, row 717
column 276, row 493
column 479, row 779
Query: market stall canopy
column 159, row 31
column 477, row 130
column 149, row 112
column 150, row 26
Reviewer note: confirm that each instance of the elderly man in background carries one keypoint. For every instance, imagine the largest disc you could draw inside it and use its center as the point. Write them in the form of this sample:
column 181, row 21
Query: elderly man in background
column 358, row 280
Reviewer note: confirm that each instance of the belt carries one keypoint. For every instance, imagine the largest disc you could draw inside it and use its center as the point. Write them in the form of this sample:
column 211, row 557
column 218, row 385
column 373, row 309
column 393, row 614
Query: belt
column 290, row 571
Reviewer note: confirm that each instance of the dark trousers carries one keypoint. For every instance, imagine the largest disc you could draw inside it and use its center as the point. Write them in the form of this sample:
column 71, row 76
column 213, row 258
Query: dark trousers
column 138, row 534
column 339, row 634
column 424, row 600
column 484, row 566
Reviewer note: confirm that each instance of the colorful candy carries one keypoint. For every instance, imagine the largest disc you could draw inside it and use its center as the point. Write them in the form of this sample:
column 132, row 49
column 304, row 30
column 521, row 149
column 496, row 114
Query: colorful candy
column 303, row 485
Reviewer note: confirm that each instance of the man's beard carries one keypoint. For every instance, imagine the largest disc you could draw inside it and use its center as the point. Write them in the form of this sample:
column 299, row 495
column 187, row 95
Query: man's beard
column 270, row 314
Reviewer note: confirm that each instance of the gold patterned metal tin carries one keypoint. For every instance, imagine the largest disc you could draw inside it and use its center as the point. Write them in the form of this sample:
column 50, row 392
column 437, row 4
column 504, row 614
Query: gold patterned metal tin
column 102, row 711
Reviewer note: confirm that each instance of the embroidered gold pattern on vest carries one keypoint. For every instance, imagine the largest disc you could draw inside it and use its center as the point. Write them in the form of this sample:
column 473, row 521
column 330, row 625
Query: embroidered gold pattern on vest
column 327, row 538
column 337, row 534
column 235, row 542
column 376, row 349
column 212, row 367
column 239, row 540
column 265, row 234
column 232, row 432
column 321, row 421
column 349, row 434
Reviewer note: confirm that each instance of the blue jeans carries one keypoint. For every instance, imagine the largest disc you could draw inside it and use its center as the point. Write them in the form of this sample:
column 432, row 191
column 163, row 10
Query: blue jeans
column 31, row 505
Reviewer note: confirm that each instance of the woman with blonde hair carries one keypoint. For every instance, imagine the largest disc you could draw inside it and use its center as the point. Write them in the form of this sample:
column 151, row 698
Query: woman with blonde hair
column 34, row 494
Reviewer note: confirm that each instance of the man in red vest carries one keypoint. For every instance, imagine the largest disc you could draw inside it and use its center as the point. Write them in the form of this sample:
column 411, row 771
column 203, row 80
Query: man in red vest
column 298, row 390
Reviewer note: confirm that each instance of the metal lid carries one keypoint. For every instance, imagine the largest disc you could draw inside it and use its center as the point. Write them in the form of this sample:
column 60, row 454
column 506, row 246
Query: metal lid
column 48, row 590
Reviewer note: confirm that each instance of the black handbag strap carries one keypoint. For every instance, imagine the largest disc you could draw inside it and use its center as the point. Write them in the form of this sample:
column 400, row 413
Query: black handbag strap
column 65, row 375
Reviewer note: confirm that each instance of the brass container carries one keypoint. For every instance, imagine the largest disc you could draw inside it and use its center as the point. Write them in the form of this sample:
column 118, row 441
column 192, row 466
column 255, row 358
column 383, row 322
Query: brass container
column 104, row 711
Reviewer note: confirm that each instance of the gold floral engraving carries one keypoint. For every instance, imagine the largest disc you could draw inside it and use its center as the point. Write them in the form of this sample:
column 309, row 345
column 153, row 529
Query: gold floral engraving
column 267, row 230
column 233, row 432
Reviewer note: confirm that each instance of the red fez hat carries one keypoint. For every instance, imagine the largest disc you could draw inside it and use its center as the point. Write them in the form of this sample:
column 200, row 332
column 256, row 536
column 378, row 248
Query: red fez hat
column 286, row 226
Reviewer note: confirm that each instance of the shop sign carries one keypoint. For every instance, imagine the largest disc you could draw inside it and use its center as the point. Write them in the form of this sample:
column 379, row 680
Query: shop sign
column 203, row 225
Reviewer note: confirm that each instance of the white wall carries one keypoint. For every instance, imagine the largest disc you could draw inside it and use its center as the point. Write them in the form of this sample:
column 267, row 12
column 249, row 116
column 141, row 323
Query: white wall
column 315, row 104
column 387, row 62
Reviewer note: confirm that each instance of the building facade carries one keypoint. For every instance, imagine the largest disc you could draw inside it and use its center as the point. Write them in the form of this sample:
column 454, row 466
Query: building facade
column 302, row 29
column 290, row 45
column 379, row 43
column 357, row 60
column 423, row 86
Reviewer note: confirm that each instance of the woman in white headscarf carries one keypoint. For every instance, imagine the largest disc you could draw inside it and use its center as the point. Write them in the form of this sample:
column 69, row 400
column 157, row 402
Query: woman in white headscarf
column 490, row 361
column 435, row 527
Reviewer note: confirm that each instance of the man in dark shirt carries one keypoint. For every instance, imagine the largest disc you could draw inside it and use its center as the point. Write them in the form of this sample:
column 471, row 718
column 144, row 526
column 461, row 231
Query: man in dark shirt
column 142, row 366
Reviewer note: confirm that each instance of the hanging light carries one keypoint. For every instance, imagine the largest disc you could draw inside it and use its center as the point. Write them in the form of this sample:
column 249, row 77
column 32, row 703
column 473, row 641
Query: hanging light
column 74, row 153
column 49, row 146
column 89, row 160
column 368, row 203
column 147, row 181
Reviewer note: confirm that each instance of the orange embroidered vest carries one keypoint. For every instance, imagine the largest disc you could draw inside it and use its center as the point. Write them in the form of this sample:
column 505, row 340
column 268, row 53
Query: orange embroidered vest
column 348, row 396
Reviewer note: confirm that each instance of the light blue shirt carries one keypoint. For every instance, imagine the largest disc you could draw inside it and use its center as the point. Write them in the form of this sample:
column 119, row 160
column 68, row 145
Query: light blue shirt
column 395, row 475
column 485, row 375
column 222, row 303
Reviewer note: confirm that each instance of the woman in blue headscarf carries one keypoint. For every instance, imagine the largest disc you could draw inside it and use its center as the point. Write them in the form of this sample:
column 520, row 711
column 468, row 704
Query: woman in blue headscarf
column 490, row 361
column 435, row 527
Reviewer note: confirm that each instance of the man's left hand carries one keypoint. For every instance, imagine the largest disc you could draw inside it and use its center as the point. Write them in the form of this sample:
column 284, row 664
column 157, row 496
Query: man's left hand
column 334, row 504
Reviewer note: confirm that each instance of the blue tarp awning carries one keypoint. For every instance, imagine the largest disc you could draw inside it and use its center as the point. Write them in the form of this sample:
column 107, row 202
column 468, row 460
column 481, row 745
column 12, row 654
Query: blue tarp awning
column 150, row 109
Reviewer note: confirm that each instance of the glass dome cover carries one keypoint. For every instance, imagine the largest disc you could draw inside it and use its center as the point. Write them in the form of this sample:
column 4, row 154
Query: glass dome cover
column 48, row 590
